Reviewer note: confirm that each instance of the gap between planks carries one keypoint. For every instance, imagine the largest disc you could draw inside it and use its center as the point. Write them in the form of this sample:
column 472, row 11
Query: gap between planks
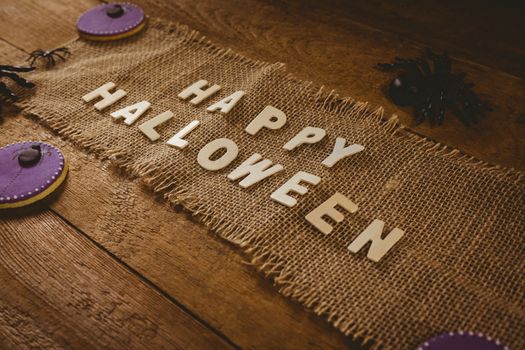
column 178, row 255
column 61, row 290
column 252, row 314
column 15, row 54
column 146, row 280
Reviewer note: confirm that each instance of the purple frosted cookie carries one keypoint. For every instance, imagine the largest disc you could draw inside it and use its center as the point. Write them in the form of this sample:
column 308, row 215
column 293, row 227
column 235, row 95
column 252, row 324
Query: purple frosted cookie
column 111, row 22
column 462, row 341
column 29, row 171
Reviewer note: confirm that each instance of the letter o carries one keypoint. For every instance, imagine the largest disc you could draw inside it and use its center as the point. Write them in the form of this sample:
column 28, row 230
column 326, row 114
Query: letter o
column 203, row 158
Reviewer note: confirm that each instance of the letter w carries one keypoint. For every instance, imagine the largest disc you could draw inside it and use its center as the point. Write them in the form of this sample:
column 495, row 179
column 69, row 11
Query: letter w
column 254, row 170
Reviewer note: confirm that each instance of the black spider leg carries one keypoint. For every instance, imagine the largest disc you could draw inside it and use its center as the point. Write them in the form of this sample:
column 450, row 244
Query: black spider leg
column 64, row 50
column 455, row 95
column 428, row 104
column 423, row 105
column 458, row 112
column 471, row 103
column 60, row 56
column 33, row 56
column 437, row 99
column 50, row 61
column 4, row 90
column 441, row 82
column 16, row 69
column 467, row 89
column 464, row 101
column 442, row 63
column 467, row 106
column 34, row 59
column 437, row 104
column 6, row 71
column 17, row 79
column 415, row 68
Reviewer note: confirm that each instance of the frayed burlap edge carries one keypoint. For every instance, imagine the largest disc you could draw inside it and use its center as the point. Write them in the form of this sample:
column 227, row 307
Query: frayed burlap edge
column 265, row 261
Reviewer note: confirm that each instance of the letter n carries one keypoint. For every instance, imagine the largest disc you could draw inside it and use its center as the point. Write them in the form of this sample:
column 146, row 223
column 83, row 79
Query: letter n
column 380, row 246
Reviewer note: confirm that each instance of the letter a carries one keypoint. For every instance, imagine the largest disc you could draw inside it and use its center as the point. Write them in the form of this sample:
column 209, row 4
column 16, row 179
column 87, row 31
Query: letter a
column 131, row 113
column 226, row 104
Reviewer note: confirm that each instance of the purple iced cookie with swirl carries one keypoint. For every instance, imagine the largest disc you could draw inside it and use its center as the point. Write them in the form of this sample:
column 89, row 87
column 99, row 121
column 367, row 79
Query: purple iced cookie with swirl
column 29, row 171
column 111, row 22
column 462, row 341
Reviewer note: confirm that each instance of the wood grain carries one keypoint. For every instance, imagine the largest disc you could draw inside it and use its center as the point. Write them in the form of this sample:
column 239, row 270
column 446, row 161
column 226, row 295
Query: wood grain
column 30, row 25
column 178, row 255
column 166, row 248
column 10, row 55
column 480, row 31
column 220, row 288
column 59, row 290
column 324, row 46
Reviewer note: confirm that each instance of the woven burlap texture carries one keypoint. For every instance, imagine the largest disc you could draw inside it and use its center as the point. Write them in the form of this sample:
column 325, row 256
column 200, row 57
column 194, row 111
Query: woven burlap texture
column 460, row 264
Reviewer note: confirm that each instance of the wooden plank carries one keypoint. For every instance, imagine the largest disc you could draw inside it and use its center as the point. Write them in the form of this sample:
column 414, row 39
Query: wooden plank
column 179, row 256
column 194, row 267
column 9, row 55
column 31, row 25
column 339, row 53
column 332, row 50
column 486, row 32
column 59, row 290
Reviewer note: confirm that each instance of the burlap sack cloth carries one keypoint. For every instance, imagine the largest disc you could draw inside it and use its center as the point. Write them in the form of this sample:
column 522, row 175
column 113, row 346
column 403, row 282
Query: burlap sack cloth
column 460, row 264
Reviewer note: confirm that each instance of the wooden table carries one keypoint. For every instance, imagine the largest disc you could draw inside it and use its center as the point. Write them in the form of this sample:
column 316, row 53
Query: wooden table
column 105, row 264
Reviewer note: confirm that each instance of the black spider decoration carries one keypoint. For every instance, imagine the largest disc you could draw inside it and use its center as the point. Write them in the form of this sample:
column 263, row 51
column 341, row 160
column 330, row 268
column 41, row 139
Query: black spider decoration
column 49, row 56
column 432, row 89
column 11, row 72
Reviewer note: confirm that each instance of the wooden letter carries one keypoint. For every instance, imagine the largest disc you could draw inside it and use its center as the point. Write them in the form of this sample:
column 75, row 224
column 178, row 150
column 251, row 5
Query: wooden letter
column 307, row 135
column 203, row 158
column 196, row 89
column 177, row 140
column 270, row 117
column 254, row 170
column 226, row 104
column 107, row 98
column 148, row 128
column 131, row 113
column 340, row 152
column 315, row 217
column 293, row 185
column 380, row 246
